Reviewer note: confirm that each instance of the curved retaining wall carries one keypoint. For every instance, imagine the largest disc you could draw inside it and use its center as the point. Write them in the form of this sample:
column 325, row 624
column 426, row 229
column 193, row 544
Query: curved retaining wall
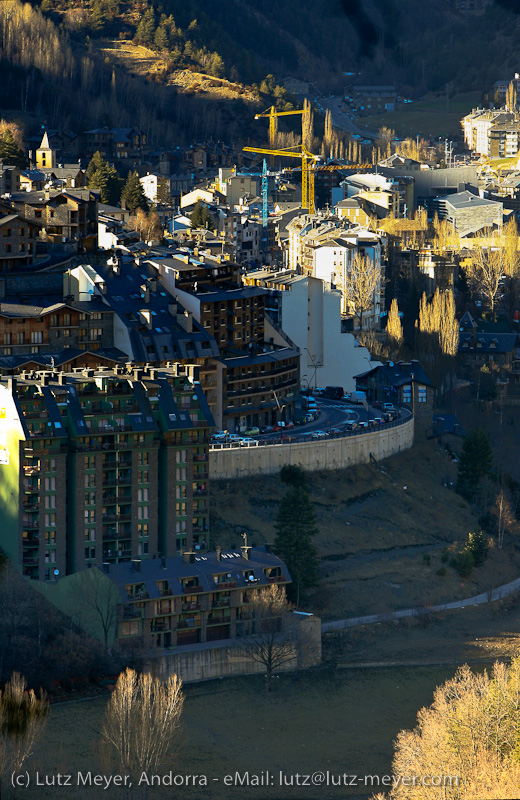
column 239, row 462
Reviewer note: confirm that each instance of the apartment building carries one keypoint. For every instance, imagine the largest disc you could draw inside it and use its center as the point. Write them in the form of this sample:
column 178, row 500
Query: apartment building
column 477, row 127
column 103, row 465
column 257, row 371
column 64, row 217
column 201, row 597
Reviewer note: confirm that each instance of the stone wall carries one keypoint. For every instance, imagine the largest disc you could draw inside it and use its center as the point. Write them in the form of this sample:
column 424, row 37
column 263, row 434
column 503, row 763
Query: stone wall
column 324, row 454
column 228, row 658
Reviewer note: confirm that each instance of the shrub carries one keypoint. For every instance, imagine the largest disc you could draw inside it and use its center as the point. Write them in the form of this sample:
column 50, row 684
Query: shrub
column 463, row 563
column 441, row 572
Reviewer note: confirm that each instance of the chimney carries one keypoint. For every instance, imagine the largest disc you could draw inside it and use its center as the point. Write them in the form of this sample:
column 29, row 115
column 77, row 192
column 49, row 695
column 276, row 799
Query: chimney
column 136, row 564
column 219, row 553
column 189, row 557
column 268, row 547
column 246, row 551
column 172, row 309
column 185, row 320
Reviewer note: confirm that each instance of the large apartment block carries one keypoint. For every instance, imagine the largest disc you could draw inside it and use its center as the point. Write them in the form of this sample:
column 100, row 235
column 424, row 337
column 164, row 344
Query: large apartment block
column 101, row 466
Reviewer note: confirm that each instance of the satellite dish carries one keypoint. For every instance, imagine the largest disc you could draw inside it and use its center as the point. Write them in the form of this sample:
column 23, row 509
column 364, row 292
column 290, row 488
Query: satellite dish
column 390, row 363
column 56, row 572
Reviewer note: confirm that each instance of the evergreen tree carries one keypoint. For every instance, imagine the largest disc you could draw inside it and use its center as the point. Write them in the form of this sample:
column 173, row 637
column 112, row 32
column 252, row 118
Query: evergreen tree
column 217, row 66
column 161, row 38
column 102, row 176
column 95, row 163
column 97, row 18
column 146, row 29
column 164, row 196
column 295, row 526
column 201, row 217
column 478, row 547
column 292, row 475
column 475, row 463
column 133, row 195
column 10, row 153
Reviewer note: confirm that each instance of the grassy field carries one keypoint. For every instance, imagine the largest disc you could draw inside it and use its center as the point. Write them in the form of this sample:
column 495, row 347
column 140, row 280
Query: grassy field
column 325, row 719
column 430, row 116
column 375, row 511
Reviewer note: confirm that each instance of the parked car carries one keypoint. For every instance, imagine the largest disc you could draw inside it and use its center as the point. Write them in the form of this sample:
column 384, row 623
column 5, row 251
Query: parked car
column 351, row 426
column 246, row 441
column 318, row 391
column 253, row 431
column 219, row 436
column 389, row 408
column 233, row 438
column 267, row 429
column 319, row 435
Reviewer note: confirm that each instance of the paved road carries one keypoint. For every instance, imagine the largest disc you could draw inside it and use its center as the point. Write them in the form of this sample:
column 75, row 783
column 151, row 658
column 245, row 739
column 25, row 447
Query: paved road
column 497, row 593
column 342, row 121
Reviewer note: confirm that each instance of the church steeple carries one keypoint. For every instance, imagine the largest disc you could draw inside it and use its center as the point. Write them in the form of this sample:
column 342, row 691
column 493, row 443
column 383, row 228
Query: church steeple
column 45, row 155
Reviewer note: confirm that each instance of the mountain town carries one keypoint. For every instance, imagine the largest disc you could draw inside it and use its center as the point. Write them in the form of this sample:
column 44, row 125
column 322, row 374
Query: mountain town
column 285, row 476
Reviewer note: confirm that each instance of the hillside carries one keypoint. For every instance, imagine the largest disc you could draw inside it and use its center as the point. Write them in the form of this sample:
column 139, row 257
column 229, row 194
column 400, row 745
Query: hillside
column 382, row 530
column 74, row 65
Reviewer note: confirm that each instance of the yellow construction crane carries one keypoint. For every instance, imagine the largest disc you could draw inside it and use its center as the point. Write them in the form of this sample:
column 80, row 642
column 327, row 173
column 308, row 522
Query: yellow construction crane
column 272, row 114
column 307, row 174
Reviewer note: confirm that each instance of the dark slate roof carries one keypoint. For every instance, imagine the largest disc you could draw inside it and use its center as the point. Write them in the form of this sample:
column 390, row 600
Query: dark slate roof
column 399, row 373
column 488, row 342
column 60, row 357
column 204, row 567
column 447, row 423
column 166, row 340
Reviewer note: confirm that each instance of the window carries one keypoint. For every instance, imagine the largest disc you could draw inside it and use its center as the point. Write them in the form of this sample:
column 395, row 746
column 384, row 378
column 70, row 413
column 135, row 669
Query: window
column 142, row 512
column 35, row 349
column 50, row 501
column 50, row 484
column 130, row 628
column 7, row 338
column 422, row 394
column 6, row 232
column 142, row 495
column 20, row 338
column 66, row 319
column 36, row 337
column 38, row 214
column 50, row 519
column 142, row 459
column 142, row 529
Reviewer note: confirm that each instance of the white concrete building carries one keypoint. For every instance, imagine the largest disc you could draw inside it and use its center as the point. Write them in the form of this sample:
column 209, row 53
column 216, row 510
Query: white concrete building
column 309, row 312
column 333, row 262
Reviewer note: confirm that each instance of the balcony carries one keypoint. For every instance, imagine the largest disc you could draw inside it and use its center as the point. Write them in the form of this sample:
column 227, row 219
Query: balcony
column 277, row 579
column 227, row 585
column 31, row 541
column 191, row 606
column 30, row 561
column 200, row 529
column 31, row 524
column 132, row 612
column 28, row 507
column 200, row 457
column 217, row 620
column 192, row 589
column 31, row 470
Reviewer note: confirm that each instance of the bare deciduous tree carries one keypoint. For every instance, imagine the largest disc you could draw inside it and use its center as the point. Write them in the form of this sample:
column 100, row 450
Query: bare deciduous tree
column 267, row 639
column 147, row 225
column 484, row 275
column 98, row 602
column 23, row 717
column 141, row 721
column 470, row 732
column 362, row 282
column 504, row 515
column 394, row 327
